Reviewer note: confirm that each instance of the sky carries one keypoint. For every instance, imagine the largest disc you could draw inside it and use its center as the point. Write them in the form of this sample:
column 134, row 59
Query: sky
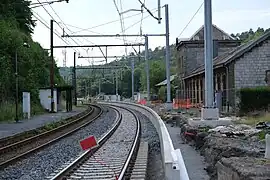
column 232, row 16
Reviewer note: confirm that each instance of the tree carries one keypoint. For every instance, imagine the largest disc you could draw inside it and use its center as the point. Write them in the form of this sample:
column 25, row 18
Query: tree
column 250, row 35
column 16, row 26
column 157, row 73
column 18, row 12
column 162, row 93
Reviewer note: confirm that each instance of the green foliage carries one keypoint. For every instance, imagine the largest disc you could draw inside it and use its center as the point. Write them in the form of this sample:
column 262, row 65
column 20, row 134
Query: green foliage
column 16, row 26
column 19, row 13
column 157, row 73
column 125, row 84
column 254, row 99
column 250, row 35
column 261, row 135
column 7, row 111
column 33, row 63
column 162, row 93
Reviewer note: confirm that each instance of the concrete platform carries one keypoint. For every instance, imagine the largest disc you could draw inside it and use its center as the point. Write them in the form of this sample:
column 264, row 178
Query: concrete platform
column 12, row 128
column 198, row 122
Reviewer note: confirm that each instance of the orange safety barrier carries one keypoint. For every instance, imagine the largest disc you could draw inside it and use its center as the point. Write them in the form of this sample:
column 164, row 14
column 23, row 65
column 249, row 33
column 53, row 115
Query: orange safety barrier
column 181, row 103
column 142, row 102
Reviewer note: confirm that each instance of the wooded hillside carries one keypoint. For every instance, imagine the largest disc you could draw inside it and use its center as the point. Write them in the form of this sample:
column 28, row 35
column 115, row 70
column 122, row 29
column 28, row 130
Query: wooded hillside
column 16, row 27
column 88, row 79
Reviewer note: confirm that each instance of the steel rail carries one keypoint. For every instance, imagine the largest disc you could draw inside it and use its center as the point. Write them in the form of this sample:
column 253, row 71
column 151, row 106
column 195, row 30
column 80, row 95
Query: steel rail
column 135, row 145
column 24, row 141
column 16, row 158
column 87, row 154
column 4, row 142
column 63, row 174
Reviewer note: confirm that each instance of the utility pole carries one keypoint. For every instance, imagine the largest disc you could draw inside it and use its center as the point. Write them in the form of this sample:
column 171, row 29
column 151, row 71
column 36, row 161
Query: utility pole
column 168, row 74
column 116, row 83
column 99, row 86
column 64, row 52
column 74, row 80
column 85, row 88
column 17, row 85
column 147, row 69
column 132, row 79
column 52, row 69
column 159, row 16
column 208, row 51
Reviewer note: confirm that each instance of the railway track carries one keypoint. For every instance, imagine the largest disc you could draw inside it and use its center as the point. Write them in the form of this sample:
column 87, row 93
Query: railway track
column 113, row 158
column 15, row 151
column 27, row 134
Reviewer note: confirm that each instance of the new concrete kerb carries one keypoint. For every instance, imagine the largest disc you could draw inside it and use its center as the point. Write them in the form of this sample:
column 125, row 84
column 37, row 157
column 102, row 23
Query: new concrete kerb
column 173, row 162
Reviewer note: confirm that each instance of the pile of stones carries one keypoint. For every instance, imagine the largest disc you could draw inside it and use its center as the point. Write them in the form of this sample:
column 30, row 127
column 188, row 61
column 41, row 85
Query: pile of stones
column 231, row 152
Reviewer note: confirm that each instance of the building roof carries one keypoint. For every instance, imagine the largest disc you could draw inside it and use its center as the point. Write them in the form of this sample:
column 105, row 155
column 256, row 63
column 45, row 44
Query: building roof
column 232, row 55
column 192, row 40
column 214, row 26
column 163, row 83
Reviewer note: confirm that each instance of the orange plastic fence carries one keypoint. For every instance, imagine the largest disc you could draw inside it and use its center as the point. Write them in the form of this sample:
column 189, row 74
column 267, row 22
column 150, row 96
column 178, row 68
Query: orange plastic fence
column 182, row 103
column 142, row 102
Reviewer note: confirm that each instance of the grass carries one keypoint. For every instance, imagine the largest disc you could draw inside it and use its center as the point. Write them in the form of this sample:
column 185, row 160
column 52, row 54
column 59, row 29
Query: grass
column 54, row 125
column 261, row 135
column 250, row 120
column 8, row 111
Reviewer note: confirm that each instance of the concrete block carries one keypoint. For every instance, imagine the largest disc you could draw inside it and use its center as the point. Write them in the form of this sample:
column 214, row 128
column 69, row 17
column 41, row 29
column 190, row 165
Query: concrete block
column 267, row 143
column 198, row 122
column 209, row 113
column 168, row 106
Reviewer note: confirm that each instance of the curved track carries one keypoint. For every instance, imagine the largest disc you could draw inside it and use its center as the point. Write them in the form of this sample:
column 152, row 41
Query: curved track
column 20, row 137
column 13, row 152
column 112, row 158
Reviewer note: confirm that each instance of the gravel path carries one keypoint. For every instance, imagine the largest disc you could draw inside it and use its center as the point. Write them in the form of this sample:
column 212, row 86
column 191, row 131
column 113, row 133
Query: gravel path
column 194, row 162
column 9, row 129
column 149, row 134
column 44, row 162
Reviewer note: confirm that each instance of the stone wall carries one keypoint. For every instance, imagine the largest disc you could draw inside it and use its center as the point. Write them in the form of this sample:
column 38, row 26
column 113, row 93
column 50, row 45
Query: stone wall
column 250, row 69
column 243, row 168
column 193, row 57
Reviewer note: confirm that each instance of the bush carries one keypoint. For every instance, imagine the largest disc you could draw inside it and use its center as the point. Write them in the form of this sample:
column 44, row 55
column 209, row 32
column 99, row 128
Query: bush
column 162, row 93
column 8, row 109
column 253, row 99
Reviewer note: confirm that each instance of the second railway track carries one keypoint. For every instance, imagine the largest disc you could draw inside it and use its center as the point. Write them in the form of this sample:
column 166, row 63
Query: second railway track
column 112, row 159
column 13, row 152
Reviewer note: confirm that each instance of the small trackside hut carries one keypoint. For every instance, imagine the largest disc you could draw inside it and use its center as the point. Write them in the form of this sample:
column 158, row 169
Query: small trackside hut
column 60, row 92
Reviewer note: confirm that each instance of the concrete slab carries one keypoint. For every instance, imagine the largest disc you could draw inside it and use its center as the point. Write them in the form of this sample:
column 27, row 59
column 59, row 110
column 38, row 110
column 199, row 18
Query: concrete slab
column 209, row 113
column 198, row 122
column 168, row 106
column 267, row 144
column 12, row 128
